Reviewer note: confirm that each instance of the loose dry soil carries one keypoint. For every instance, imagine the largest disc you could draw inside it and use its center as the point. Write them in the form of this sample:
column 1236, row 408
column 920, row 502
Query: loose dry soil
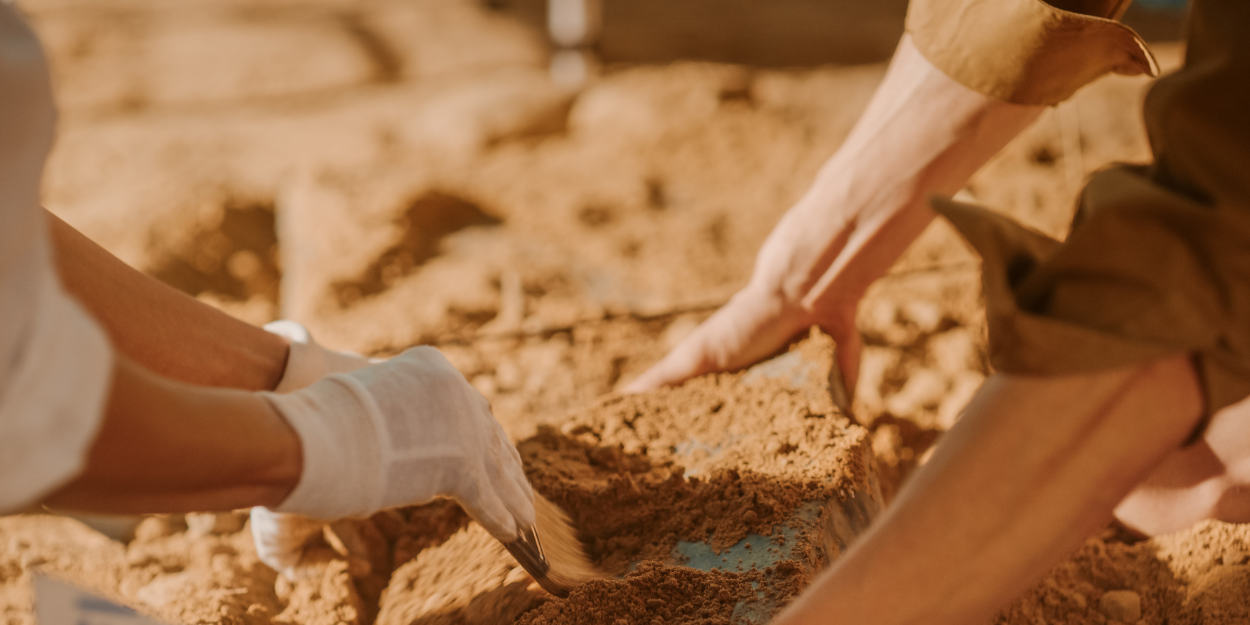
column 395, row 172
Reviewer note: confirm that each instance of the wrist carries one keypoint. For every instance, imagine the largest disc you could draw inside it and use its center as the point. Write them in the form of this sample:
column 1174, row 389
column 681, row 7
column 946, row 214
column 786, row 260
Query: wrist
column 336, row 426
column 287, row 464
column 306, row 360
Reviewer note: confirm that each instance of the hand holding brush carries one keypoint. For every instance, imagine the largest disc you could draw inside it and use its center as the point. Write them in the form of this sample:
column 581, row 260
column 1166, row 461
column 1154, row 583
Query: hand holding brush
column 405, row 432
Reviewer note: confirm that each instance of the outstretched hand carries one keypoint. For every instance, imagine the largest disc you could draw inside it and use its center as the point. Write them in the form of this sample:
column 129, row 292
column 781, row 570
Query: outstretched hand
column 754, row 325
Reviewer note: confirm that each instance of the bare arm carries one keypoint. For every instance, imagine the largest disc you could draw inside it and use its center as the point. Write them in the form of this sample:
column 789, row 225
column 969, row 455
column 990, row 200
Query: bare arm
column 148, row 443
column 922, row 134
column 165, row 446
column 1034, row 466
column 161, row 328
column 168, row 405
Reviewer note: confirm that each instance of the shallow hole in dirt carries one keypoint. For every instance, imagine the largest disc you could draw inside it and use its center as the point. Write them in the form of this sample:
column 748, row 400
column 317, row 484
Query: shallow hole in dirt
column 596, row 215
column 631, row 511
column 232, row 255
column 623, row 503
column 663, row 487
column 657, row 194
column 422, row 227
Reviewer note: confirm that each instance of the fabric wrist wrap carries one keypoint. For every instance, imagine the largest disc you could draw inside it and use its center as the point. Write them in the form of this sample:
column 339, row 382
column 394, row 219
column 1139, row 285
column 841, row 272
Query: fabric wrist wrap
column 339, row 426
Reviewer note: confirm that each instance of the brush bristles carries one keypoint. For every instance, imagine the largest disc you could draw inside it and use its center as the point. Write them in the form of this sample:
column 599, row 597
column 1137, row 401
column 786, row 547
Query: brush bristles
column 569, row 565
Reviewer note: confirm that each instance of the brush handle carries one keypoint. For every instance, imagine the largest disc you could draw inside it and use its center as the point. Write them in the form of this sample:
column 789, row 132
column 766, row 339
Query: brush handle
column 528, row 551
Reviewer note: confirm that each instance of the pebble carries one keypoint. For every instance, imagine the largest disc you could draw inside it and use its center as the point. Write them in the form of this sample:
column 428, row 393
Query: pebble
column 1121, row 605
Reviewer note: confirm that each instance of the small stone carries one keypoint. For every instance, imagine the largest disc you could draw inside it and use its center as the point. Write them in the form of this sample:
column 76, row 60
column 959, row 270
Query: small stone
column 1121, row 605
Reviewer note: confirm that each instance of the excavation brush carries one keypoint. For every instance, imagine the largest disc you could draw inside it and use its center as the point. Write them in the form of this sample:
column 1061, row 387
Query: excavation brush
column 550, row 551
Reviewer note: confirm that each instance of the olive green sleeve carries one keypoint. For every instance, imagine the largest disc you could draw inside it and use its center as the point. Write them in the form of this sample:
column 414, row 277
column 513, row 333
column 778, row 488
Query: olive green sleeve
column 1027, row 51
column 1157, row 261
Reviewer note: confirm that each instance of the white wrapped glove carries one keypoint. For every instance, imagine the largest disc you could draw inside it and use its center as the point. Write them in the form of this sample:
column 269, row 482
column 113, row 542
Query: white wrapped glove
column 308, row 361
column 282, row 538
column 402, row 432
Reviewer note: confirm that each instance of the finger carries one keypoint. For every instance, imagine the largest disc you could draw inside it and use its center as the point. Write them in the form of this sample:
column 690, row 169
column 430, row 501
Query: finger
column 522, row 482
column 506, row 446
column 508, row 482
column 703, row 351
column 518, row 496
column 281, row 538
column 514, row 488
column 677, row 367
column 490, row 512
column 507, row 459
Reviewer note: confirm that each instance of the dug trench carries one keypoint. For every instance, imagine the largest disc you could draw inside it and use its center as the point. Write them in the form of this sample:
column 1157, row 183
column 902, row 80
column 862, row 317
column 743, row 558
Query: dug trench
column 711, row 503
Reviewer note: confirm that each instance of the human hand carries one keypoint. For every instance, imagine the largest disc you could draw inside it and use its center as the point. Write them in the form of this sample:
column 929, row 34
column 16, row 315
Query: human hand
column 309, row 361
column 282, row 539
column 755, row 324
column 923, row 134
column 403, row 432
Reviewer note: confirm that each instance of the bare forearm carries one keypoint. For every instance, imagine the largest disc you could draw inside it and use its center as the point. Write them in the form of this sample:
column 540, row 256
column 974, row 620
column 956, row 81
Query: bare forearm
column 1035, row 466
column 922, row 134
column 171, row 447
column 161, row 328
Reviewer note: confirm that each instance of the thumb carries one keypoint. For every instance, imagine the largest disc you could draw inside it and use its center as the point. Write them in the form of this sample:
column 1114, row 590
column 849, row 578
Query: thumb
column 489, row 511
column 661, row 374
column 281, row 539
column 686, row 361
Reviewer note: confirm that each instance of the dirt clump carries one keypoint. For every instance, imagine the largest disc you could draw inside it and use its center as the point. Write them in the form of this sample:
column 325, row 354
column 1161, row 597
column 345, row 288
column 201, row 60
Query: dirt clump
column 715, row 460
column 642, row 475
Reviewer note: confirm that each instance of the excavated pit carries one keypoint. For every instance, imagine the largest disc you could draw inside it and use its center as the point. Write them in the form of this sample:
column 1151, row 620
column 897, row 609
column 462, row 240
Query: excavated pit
column 713, row 502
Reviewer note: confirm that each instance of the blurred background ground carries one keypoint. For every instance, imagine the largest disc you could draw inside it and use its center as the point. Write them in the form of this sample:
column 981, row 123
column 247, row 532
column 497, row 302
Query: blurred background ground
column 395, row 172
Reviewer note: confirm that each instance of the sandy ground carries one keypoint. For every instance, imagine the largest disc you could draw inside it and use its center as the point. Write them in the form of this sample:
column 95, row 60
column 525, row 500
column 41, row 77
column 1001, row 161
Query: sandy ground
column 399, row 172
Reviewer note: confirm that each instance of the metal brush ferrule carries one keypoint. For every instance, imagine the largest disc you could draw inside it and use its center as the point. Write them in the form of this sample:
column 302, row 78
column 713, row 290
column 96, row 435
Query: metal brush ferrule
column 528, row 551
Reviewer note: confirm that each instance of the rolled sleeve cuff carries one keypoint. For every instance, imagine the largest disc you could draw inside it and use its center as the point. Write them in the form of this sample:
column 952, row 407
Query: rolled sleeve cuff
column 1145, row 273
column 1026, row 51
